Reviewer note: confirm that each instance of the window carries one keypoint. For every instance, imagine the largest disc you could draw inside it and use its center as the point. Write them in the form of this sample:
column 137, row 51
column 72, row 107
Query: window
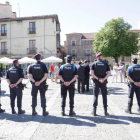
column 73, row 43
column 3, row 47
column 88, row 52
column 73, row 52
column 32, row 46
column 32, row 28
column 3, row 30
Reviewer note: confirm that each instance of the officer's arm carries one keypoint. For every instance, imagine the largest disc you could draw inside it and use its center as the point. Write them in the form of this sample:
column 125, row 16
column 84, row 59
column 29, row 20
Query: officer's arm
column 31, row 78
column 75, row 77
column 60, row 77
column 8, row 81
column 44, row 78
column 19, row 81
column 93, row 75
column 108, row 74
column 129, row 78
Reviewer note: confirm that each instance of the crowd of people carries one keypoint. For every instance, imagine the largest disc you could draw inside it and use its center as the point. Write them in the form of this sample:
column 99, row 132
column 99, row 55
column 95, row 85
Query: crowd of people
column 68, row 74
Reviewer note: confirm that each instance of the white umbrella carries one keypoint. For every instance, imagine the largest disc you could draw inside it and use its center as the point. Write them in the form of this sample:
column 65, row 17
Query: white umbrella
column 4, row 60
column 26, row 60
column 51, row 59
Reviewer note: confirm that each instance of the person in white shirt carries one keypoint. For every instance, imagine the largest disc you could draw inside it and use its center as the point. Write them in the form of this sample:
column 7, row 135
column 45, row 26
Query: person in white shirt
column 115, row 72
column 56, row 71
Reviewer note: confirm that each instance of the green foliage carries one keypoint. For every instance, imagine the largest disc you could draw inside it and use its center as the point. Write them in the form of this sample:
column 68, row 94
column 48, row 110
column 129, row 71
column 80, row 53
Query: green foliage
column 139, row 62
column 126, row 67
column 115, row 39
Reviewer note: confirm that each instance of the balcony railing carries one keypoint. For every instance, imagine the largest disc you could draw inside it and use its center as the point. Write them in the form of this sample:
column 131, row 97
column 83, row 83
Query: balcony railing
column 3, row 51
column 31, row 51
column 31, row 30
column 74, row 55
column 3, row 33
column 87, row 54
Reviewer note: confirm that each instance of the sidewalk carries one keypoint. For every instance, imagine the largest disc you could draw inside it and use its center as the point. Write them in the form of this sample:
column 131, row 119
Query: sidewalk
column 82, row 126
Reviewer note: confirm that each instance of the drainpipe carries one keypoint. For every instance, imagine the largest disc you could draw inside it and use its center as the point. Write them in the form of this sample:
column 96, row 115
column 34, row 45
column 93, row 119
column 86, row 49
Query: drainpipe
column 10, row 38
column 44, row 34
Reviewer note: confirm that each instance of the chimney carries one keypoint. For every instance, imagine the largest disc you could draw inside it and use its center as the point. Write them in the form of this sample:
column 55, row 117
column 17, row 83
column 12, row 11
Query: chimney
column 7, row 3
column 15, row 14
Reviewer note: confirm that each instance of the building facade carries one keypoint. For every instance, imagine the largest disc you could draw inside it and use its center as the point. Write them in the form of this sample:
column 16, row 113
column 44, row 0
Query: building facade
column 26, row 36
column 80, row 46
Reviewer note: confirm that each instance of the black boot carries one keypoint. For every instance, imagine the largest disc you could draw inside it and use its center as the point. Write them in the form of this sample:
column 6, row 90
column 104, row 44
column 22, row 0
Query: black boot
column 20, row 111
column 105, row 111
column 128, row 110
column 45, row 113
column 138, row 109
column 71, row 113
column 34, row 111
column 63, row 111
column 2, row 110
column 94, row 111
column 13, row 111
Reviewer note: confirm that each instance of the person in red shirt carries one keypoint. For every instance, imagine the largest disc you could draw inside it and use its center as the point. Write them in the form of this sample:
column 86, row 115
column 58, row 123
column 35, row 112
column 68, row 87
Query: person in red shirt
column 52, row 72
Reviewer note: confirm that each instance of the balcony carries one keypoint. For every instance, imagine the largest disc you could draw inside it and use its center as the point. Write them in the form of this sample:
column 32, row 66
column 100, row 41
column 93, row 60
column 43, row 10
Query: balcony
column 87, row 54
column 31, row 51
column 31, row 30
column 3, row 33
column 73, row 54
column 3, row 51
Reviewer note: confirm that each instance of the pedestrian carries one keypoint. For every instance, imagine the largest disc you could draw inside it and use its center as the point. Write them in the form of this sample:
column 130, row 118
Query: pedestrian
column 81, row 77
column 115, row 72
column 73, row 61
column 133, row 75
column 100, row 71
column 14, row 78
column 1, row 110
column 87, row 75
column 52, row 72
column 38, row 74
column 27, row 75
column 67, row 75
column 122, row 72
column 56, row 70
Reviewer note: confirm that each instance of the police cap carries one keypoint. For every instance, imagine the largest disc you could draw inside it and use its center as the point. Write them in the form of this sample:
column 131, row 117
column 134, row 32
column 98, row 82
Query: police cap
column 15, row 61
column 135, row 60
column 99, row 54
column 38, row 54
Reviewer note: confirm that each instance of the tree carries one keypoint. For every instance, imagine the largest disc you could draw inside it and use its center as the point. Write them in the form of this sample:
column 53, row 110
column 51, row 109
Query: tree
column 116, row 39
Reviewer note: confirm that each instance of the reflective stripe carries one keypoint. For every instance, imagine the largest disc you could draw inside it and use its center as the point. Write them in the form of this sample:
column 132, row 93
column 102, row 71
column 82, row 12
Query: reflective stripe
column 61, row 68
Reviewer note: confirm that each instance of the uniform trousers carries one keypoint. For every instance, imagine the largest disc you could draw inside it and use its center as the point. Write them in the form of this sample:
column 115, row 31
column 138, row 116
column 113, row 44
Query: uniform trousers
column 87, row 83
column 70, row 89
column 16, row 92
column 132, row 89
column 34, row 93
column 96, row 86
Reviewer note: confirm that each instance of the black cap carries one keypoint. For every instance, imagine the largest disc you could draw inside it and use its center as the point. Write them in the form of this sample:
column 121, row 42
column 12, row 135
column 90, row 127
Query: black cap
column 135, row 59
column 68, row 57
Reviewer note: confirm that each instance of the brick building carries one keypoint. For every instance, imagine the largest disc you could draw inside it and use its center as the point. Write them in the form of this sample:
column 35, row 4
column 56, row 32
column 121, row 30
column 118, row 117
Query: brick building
column 80, row 46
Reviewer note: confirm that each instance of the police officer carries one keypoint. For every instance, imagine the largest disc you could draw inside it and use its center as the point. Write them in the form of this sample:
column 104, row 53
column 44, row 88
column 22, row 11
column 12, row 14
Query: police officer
column 133, row 75
column 1, row 110
column 67, row 75
column 14, row 78
column 38, row 74
column 100, row 71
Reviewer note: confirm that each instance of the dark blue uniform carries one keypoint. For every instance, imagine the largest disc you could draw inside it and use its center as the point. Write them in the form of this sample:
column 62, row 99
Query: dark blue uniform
column 38, row 70
column 14, row 74
column 100, row 70
column 68, row 71
column 134, row 73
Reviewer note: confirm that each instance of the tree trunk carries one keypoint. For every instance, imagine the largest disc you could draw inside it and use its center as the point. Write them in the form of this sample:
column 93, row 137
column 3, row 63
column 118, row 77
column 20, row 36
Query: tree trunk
column 116, row 60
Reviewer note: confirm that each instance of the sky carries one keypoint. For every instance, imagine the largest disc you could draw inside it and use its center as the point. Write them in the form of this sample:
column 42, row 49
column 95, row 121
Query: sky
column 83, row 16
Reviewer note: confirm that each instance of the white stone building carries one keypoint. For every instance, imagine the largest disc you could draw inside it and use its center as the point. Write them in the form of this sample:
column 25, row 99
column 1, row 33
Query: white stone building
column 25, row 36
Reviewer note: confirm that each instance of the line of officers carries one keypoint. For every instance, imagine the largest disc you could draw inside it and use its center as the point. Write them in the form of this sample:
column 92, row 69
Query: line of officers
column 37, row 73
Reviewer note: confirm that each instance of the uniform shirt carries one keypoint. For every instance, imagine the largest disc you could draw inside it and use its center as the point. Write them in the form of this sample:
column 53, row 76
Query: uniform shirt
column 130, row 70
column 74, row 69
column 44, row 68
column 20, row 70
column 94, row 65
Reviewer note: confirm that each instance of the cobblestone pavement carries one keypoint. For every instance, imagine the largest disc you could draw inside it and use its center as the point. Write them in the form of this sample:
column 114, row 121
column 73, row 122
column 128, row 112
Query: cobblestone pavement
column 82, row 126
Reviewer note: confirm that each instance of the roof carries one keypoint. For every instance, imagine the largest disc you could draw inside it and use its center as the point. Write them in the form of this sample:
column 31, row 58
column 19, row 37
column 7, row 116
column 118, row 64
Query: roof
column 31, row 18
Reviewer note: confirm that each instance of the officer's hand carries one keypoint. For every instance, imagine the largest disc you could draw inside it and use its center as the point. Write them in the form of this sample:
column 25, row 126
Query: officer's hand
column 37, row 83
column 101, row 80
column 136, row 84
column 66, row 83
column 12, row 85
